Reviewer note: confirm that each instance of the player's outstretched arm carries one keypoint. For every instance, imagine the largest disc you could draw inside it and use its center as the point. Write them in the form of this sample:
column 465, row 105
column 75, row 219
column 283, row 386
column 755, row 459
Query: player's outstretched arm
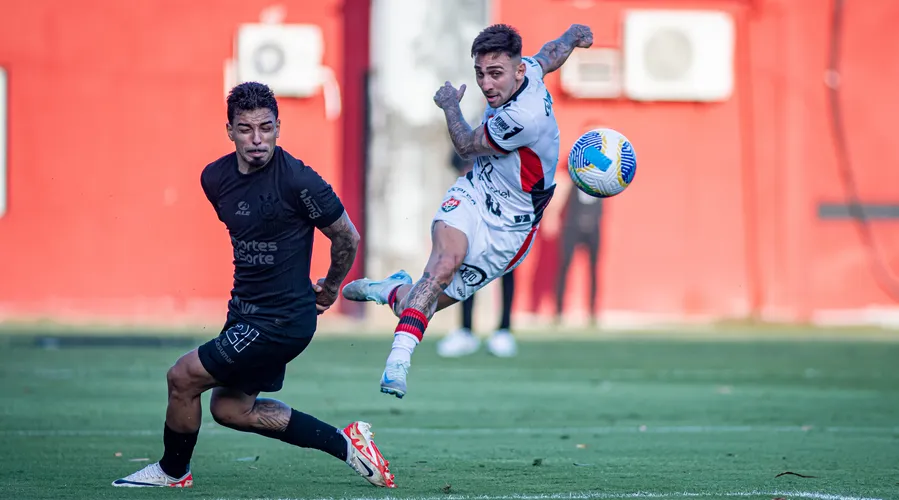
column 554, row 54
column 344, row 242
column 468, row 143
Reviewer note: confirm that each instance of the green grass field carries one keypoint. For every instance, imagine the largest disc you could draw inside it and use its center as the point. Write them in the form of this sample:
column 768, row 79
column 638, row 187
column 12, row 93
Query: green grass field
column 591, row 420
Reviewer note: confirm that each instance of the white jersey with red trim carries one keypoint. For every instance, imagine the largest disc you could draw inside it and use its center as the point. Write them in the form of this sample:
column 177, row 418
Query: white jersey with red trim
column 518, row 181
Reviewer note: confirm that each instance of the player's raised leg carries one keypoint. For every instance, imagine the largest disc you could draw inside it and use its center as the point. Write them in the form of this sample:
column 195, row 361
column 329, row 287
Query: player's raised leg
column 271, row 418
column 417, row 304
column 187, row 380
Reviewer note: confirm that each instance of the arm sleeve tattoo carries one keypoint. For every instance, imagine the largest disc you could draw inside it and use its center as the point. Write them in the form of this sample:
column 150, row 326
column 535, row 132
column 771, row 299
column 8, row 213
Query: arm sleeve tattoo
column 468, row 143
column 553, row 54
column 344, row 243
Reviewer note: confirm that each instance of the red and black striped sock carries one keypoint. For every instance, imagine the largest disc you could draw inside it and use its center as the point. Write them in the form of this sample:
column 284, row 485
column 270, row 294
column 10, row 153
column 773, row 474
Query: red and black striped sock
column 391, row 298
column 413, row 323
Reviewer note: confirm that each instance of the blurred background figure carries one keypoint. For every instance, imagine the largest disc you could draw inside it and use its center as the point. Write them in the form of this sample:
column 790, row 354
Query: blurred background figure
column 581, row 225
column 462, row 341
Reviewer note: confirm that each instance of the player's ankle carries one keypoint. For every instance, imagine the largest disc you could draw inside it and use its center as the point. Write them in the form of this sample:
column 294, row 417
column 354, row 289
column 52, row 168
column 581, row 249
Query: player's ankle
column 388, row 295
column 174, row 470
column 412, row 323
column 179, row 447
column 349, row 448
column 403, row 346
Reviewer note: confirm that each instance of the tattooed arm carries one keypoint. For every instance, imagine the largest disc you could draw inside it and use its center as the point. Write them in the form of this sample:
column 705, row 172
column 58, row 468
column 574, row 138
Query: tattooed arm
column 344, row 242
column 468, row 143
column 554, row 54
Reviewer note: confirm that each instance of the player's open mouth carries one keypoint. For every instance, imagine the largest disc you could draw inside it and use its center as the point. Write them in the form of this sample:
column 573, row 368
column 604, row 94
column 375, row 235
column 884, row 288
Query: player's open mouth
column 492, row 98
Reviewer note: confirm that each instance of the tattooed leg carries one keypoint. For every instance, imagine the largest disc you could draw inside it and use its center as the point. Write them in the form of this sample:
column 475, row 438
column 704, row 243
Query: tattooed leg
column 274, row 419
column 270, row 415
column 418, row 305
column 443, row 300
column 449, row 247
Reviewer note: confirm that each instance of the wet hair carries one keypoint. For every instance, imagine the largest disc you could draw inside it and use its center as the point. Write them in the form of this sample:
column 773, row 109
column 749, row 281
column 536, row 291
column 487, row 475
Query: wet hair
column 249, row 96
column 497, row 38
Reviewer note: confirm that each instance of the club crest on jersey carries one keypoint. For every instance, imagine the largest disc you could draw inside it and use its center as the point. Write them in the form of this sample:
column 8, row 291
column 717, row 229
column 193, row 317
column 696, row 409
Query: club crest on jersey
column 450, row 204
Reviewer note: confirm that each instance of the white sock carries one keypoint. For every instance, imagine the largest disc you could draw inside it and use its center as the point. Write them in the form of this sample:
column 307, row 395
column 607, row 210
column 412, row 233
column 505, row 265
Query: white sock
column 403, row 347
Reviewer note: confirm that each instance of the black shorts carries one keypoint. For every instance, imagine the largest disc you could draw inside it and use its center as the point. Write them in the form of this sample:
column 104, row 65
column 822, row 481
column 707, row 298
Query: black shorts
column 247, row 358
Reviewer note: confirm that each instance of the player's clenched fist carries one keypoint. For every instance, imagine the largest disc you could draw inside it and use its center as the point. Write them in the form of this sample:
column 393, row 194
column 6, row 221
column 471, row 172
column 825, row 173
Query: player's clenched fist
column 447, row 95
column 325, row 296
column 581, row 35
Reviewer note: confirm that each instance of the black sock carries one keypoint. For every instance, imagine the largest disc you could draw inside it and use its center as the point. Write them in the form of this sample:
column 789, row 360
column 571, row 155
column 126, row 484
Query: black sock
column 508, row 282
column 307, row 431
column 179, row 447
column 467, row 309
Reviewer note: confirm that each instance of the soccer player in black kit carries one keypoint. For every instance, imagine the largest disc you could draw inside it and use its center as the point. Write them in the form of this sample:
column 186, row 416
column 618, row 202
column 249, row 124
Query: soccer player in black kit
column 271, row 204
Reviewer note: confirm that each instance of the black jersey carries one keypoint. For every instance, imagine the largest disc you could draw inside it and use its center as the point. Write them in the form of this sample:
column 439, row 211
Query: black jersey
column 271, row 215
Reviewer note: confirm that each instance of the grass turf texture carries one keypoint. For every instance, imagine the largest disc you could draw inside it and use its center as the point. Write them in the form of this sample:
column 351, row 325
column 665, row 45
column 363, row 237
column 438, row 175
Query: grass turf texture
column 603, row 419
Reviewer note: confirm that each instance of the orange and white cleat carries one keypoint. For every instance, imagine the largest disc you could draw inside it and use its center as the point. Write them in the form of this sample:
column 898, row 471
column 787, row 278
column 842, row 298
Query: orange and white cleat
column 364, row 457
column 152, row 476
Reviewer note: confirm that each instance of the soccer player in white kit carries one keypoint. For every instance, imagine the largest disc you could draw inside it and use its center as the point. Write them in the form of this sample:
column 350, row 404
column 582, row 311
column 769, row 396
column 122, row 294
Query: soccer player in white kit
column 485, row 225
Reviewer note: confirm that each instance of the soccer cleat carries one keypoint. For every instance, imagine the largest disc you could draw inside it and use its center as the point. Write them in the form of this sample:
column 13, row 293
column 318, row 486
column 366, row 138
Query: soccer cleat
column 457, row 344
column 393, row 381
column 366, row 290
column 152, row 476
column 364, row 457
column 502, row 344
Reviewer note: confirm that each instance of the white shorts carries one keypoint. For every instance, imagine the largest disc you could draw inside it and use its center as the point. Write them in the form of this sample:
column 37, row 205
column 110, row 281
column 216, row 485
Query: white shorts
column 492, row 251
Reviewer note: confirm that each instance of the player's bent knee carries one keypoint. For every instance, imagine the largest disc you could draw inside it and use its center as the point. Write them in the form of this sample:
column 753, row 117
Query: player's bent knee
column 231, row 408
column 187, row 377
column 177, row 379
column 227, row 415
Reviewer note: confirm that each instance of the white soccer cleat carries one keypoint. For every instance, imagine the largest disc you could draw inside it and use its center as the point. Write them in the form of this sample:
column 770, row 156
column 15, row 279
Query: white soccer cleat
column 393, row 380
column 152, row 476
column 457, row 344
column 367, row 290
column 364, row 457
column 502, row 344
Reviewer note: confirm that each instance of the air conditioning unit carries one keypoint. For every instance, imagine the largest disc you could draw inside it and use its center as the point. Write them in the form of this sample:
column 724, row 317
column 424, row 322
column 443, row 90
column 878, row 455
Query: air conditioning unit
column 678, row 55
column 593, row 73
column 286, row 57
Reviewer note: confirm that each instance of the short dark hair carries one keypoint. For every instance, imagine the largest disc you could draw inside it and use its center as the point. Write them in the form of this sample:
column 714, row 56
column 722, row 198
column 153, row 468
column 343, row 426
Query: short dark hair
column 497, row 38
column 249, row 96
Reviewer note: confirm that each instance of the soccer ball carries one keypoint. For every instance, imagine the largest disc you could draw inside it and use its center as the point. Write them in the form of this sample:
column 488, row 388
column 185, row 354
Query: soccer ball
column 602, row 163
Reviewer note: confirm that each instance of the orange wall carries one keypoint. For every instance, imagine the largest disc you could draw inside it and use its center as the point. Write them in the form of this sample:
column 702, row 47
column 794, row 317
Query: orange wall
column 114, row 109
column 110, row 123
column 721, row 219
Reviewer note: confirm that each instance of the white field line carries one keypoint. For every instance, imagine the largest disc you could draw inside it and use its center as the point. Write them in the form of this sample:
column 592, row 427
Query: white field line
column 610, row 496
column 211, row 429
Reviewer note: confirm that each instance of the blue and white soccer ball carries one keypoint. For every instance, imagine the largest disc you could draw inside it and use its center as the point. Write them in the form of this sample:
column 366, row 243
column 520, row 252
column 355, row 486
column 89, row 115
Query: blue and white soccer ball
column 602, row 163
